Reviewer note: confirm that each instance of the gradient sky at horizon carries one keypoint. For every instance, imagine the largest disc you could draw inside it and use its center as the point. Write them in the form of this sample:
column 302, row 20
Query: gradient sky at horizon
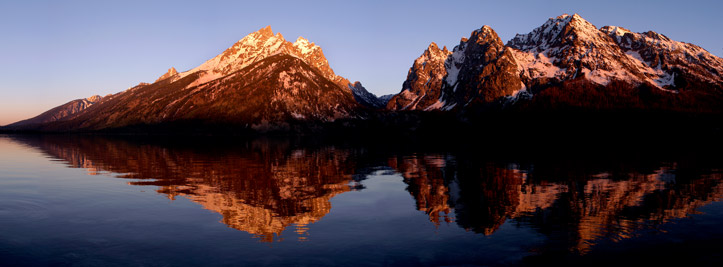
column 56, row 51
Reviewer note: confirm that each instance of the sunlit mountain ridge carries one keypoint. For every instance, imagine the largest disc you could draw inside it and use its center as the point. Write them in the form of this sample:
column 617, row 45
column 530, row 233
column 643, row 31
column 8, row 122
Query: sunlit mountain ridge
column 264, row 83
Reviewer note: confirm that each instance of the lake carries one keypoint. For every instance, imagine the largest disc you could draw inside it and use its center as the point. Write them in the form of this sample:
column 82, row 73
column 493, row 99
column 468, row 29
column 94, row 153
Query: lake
column 78, row 200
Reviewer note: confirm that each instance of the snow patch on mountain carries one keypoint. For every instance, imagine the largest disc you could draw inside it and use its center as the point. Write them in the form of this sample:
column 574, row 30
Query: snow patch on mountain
column 437, row 105
column 304, row 47
column 537, row 65
column 667, row 79
column 453, row 64
column 548, row 35
column 661, row 56
column 569, row 47
column 256, row 47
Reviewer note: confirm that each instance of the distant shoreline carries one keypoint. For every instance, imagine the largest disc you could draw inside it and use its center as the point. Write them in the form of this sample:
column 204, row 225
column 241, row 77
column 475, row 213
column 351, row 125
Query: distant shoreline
column 487, row 129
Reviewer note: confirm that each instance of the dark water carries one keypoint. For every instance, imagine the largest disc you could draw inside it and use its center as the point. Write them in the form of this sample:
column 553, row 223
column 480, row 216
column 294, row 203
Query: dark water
column 97, row 201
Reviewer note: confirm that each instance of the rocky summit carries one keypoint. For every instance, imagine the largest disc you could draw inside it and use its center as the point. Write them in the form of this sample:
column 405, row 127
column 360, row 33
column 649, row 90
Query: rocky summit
column 567, row 55
column 422, row 89
column 480, row 70
column 264, row 83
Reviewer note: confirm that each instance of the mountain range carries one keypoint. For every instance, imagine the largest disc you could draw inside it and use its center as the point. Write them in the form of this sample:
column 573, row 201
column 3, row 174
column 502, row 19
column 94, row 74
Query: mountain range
column 570, row 53
column 263, row 82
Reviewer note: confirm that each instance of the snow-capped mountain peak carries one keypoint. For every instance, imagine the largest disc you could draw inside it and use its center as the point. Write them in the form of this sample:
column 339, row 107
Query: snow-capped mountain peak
column 433, row 53
column 615, row 31
column 258, row 46
column 252, row 48
column 479, row 69
column 313, row 55
column 565, row 48
column 562, row 29
column 260, row 82
column 663, row 57
column 569, row 47
column 304, row 46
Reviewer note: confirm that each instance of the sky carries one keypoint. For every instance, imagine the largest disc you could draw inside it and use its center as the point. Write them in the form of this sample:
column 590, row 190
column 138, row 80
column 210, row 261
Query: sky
column 52, row 52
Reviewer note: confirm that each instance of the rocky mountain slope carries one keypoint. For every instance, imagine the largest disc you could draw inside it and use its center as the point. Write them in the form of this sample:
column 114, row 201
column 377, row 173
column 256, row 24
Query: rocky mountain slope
column 480, row 70
column 60, row 112
column 262, row 82
column 265, row 95
column 568, row 47
column 570, row 55
column 422, row 88
column 171, row 73
column 365, row 98
column 675, row 63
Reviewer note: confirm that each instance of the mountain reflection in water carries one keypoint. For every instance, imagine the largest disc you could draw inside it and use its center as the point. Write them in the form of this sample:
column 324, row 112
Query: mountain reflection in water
column 264, row 186
column 575, row 204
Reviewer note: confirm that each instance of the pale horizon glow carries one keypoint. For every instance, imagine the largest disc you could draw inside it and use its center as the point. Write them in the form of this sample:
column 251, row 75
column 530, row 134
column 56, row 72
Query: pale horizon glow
column 57, row 51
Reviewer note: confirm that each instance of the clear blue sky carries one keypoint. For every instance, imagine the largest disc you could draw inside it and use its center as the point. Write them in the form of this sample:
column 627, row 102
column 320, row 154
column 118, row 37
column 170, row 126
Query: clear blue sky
column 56, row 51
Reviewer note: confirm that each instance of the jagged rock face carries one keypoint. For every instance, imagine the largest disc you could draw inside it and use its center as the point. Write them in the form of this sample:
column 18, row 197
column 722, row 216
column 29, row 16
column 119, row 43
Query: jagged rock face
column 365, row 98
column 94, row 99
column 667, row 57
column 62, row 112
column 481, row 70
column 171, row 72
column 258, row 46
column 252, row 48
column 423, row 88
column 564, row 51
column 263, row 96
column 314, row 56
column 262, row 82
column 569, row 47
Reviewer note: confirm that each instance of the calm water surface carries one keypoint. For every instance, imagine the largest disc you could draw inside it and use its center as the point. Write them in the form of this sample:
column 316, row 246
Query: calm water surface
column 88, row 201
